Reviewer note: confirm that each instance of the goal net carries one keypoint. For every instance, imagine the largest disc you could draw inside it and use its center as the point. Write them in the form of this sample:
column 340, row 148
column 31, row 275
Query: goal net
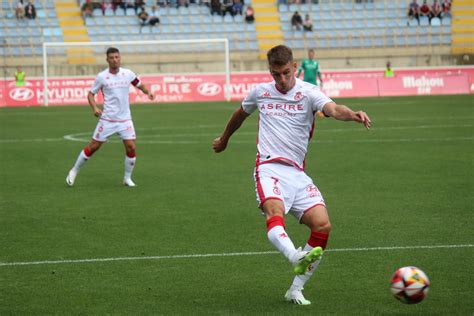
column 176, row 70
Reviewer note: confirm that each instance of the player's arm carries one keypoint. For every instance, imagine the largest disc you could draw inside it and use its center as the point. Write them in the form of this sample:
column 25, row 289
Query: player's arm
column 318, row 74
column 140, row 86
column 238, row 117
column 343, row 113
column 95, row 108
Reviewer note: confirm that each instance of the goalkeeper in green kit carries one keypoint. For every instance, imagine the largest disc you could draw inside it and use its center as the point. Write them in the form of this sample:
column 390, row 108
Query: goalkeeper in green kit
column 310, row 67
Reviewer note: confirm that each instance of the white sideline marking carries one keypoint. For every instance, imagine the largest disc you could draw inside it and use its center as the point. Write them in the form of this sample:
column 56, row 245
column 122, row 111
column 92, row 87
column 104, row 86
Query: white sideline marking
column 231, row 254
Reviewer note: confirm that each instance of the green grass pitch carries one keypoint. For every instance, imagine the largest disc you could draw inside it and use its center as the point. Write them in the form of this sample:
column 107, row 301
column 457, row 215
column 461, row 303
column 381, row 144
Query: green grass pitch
column 408, row 182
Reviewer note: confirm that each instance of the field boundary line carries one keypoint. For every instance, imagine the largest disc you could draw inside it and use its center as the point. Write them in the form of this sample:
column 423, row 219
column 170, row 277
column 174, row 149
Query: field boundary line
column 231, row 254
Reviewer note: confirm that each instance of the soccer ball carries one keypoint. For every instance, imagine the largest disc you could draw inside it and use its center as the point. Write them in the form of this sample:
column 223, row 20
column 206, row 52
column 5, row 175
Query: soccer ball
column 409, row 285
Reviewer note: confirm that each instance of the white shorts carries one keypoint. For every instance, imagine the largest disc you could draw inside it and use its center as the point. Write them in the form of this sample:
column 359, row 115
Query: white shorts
column 105, row 129
column 290, row 185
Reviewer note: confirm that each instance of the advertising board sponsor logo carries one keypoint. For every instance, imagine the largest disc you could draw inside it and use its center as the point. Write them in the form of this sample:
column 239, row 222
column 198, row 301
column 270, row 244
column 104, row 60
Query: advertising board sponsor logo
column 209, row 89
column 21, row 94
column 422, row 84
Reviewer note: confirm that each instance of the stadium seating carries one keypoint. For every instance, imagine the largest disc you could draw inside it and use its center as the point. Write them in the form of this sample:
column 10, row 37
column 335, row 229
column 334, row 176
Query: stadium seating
column 348, row 24
column 337, row 24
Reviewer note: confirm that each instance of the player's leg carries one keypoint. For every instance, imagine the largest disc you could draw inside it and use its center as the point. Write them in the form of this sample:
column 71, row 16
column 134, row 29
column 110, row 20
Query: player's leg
column 275, row 196
column 130, row 160
column 274, row 211
column 317, row 219
column 83, row 157
column 126, row 131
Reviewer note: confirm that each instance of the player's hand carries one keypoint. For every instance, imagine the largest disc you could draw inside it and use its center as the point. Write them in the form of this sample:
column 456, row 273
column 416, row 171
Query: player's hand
column 362, row 117
column 219, row 145
column 151, row 96
column 97, row 112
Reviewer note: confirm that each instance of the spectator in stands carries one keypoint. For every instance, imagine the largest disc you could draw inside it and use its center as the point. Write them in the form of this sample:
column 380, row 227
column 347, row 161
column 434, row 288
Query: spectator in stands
column 19, row 77
column 307, row 25
column 237, row 7
column 106, row 4
column 128, row 4
column 154, row 16
column 30, row 11
column 414, row 11
column 116, row 4
column 446, row 8
column 143, row 17
column 216, row 7
column 20, row 10
column 296, row 21
column 183, row 3
column 425, row 10
column 139, row 5
column 86, row 9
column 227, row 7
column 388, row 71
column 436, row 10
column 249, row 14
column 162, row 3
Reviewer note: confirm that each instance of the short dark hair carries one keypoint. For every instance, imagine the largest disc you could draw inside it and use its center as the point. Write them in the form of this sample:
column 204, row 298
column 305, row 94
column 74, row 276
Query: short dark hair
column 279, row 55
column 112, row 50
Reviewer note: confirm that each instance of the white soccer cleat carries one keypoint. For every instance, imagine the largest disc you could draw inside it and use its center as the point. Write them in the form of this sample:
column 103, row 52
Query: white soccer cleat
column 298, row 256
column 296, row 297
column 71, row 177
column 129, row 183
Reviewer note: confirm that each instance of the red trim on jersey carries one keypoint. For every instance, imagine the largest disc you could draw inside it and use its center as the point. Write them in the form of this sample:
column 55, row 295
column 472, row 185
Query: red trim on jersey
column 135, row 81
column 275, row 221
column 318, row 239
column 261, row 194
column 283, row 161
column 87, row 152
column 115, row 121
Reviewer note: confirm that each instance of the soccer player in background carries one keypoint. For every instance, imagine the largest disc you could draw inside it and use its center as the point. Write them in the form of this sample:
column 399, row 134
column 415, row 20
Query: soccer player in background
column 310, row 69
column 20, row 77
column 114, row 116
column 286, row 108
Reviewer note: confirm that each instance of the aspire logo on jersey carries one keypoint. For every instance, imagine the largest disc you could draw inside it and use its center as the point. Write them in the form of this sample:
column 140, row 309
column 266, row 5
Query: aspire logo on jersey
column 280, row 106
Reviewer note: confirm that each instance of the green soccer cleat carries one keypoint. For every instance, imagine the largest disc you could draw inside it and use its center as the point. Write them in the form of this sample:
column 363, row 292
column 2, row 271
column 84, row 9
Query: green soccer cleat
column 303, row 264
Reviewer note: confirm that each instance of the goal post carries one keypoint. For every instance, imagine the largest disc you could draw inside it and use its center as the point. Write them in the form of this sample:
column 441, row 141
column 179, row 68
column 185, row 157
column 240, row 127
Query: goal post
column 146, row 57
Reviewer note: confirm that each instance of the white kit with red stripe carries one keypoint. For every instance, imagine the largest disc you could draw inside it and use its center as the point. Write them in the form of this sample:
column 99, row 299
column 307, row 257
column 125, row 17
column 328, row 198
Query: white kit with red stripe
column 115, row 88
column 286, row 120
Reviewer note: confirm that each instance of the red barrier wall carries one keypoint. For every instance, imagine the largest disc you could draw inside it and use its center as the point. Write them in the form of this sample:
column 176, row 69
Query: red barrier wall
column 196, row 88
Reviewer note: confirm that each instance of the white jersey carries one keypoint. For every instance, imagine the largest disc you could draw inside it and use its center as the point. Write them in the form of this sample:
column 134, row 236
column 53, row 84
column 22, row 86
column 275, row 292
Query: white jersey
column 286, row 121
column 115, row 88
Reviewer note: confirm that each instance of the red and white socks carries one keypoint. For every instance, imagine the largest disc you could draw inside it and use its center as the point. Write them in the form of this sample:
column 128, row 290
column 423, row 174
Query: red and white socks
column 279, row 238
column 130, row 160
column 316, row 239
column 84, row 155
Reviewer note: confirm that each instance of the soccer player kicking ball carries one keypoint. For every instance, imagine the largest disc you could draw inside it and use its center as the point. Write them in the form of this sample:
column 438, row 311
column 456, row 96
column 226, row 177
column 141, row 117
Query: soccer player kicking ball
column 115, row 117
column 286, row 109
